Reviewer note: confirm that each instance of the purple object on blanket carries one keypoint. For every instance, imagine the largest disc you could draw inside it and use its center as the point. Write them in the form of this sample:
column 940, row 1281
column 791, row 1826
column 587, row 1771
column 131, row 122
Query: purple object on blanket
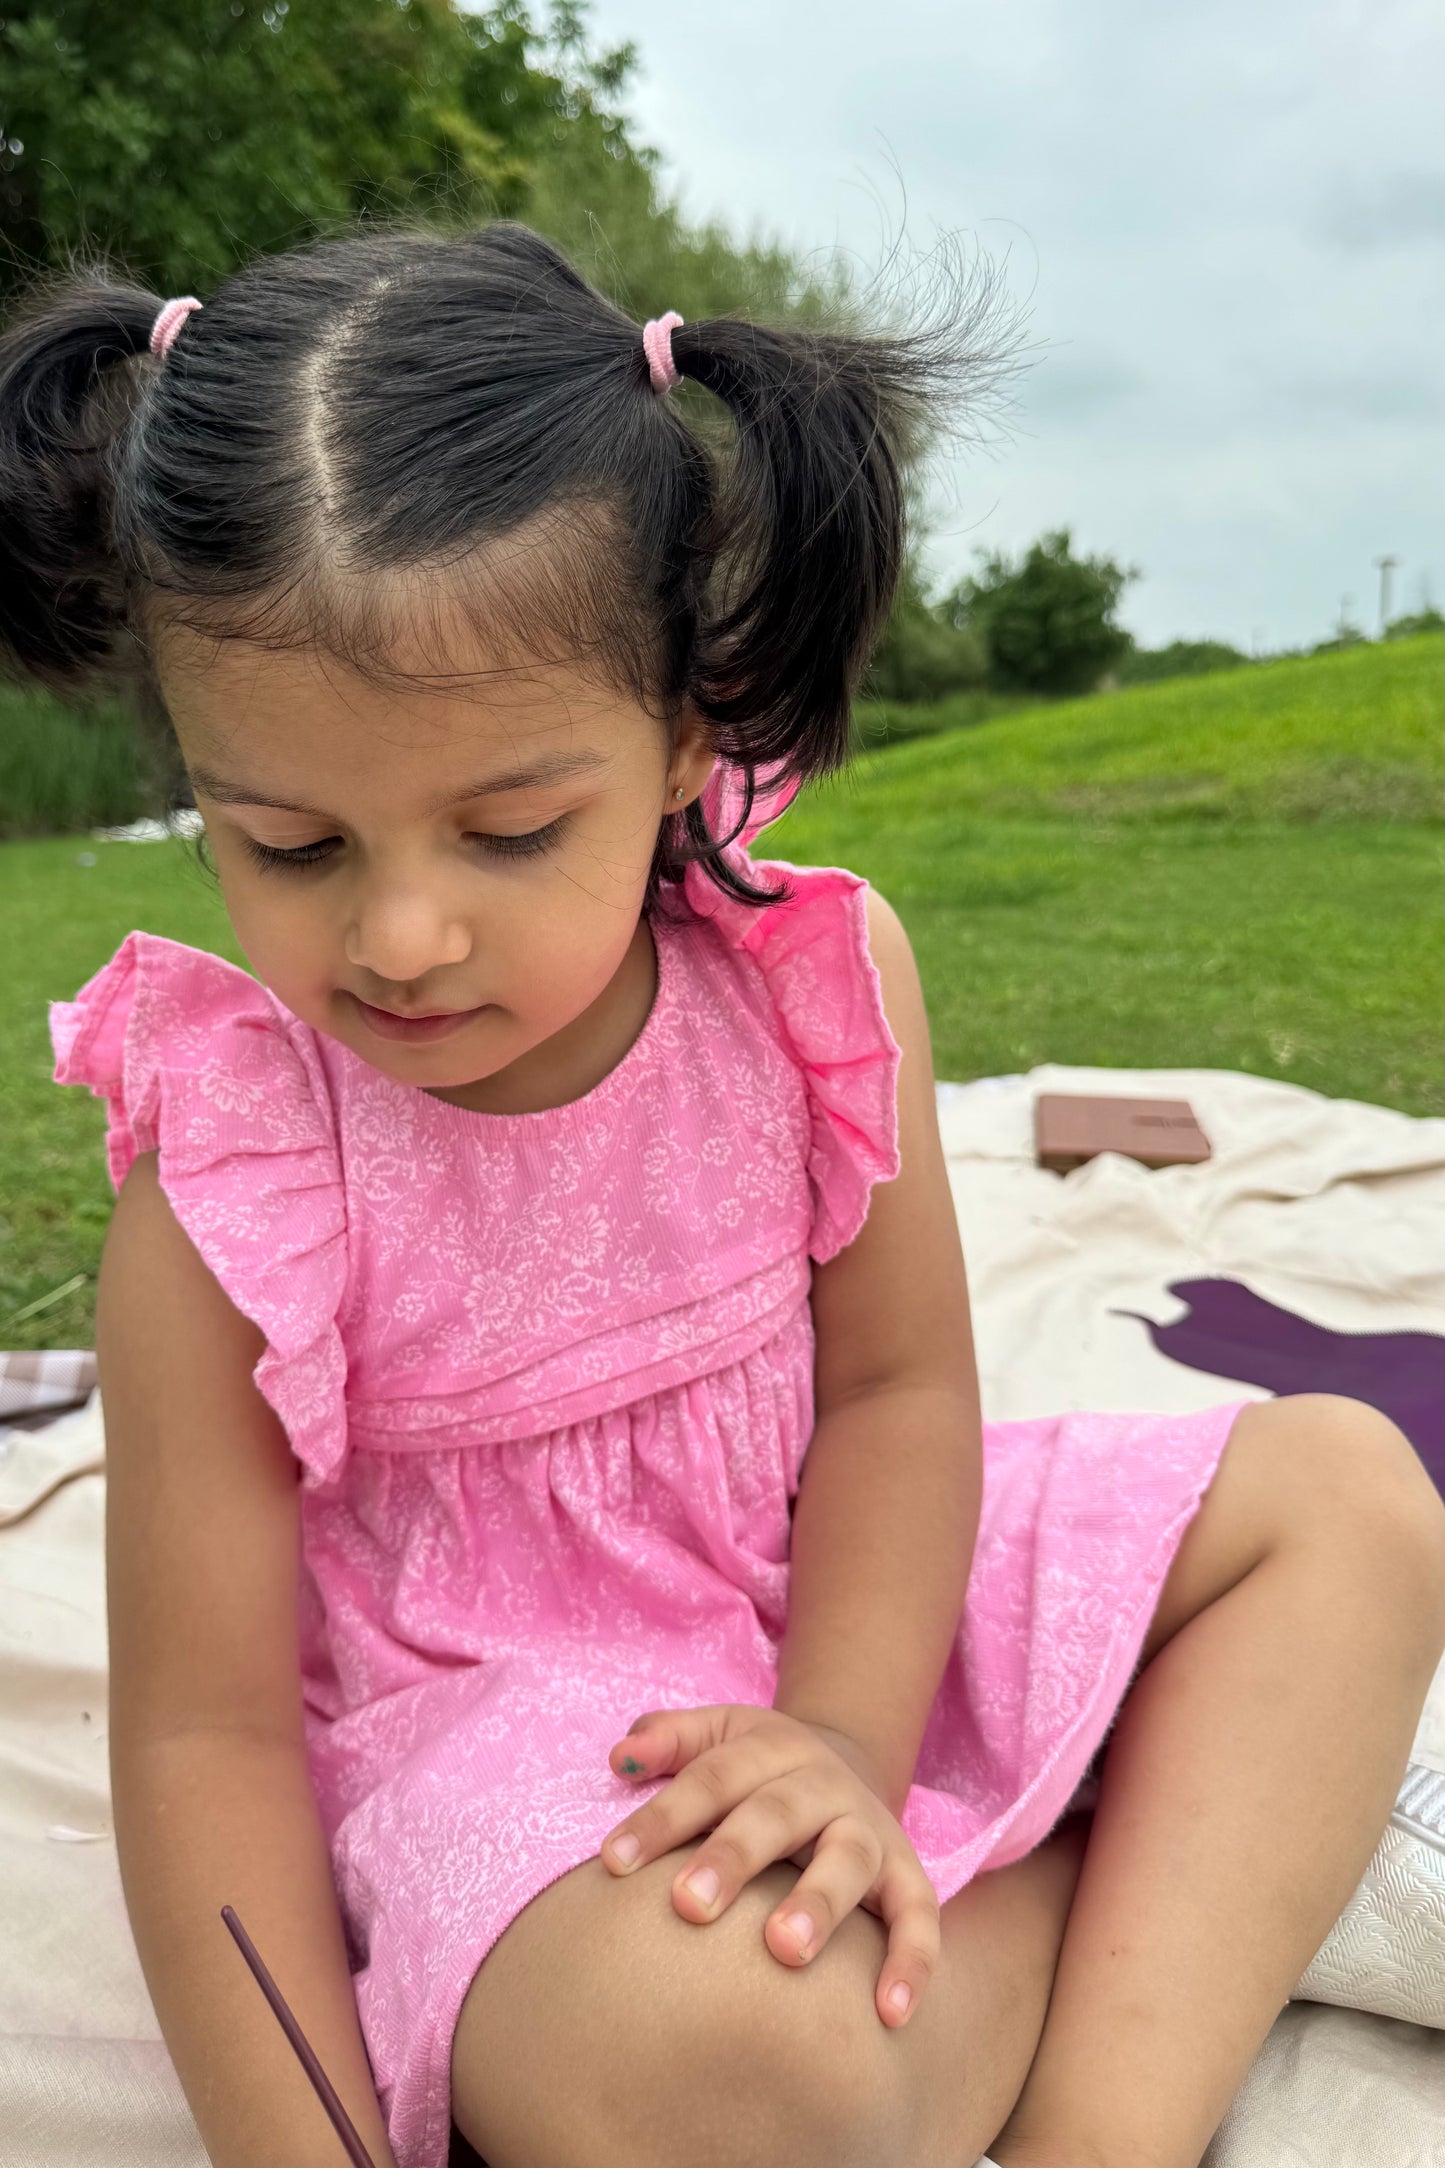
column 1233, row 1333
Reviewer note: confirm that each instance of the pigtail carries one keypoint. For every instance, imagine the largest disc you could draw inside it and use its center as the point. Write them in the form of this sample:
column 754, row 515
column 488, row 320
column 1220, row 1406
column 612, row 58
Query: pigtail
column 808, row 532
column 68, row 385
column 807, row 535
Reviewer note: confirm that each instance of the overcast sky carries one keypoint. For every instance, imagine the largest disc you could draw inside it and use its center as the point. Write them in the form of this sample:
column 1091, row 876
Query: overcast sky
column 1226, row 220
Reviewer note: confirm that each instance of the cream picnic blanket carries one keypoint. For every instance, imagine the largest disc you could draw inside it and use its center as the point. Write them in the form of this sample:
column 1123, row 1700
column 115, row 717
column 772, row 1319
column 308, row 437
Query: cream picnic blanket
column 1329, row 1208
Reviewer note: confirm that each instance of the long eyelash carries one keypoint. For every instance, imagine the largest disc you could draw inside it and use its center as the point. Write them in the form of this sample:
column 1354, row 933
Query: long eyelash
column 309, row 854
column 530, row 845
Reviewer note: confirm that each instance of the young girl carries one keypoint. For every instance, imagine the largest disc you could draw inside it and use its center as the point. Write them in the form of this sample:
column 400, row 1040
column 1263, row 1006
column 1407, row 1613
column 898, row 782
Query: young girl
column 660, row 1724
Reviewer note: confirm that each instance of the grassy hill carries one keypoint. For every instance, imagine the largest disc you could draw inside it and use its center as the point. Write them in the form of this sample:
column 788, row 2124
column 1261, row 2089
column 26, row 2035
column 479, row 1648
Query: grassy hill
column 1353, row 735
column 1240, row 871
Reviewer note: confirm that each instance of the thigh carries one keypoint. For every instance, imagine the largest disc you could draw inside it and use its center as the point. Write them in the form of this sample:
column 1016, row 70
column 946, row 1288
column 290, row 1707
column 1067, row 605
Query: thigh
column 603, row 2027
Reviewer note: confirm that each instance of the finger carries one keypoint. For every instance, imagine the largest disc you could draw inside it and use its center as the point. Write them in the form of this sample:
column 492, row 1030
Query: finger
column 697, row 1799
column 769, row 1824
column 908, row 1904
column 665, row 1740
column 847, row 1859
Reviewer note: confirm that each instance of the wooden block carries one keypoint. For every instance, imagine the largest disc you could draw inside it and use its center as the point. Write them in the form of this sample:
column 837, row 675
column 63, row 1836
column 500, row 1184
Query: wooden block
column 1070, row 1127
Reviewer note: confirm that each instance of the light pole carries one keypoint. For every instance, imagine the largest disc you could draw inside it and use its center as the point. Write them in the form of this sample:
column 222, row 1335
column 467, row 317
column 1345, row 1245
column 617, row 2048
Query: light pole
column 1385, row 566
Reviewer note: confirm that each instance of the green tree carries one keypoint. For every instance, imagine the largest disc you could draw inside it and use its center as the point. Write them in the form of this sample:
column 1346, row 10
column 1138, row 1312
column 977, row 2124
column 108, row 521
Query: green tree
column 183, row 137
column 1048, row 621
column 924, row 655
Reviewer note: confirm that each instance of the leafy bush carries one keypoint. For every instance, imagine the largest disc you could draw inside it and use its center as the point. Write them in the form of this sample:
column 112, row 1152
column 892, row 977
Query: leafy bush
column 923, row 655
column 1405, row 628
column 882, row 723
column 1181, row 658
column 1048, row 622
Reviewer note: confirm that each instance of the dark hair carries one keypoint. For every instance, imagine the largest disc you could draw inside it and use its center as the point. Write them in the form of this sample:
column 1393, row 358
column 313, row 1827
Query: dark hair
column 342, row 422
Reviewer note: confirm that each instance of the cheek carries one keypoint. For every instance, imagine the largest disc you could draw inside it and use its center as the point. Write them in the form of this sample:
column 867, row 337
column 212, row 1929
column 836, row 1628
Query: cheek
column 287, row 943
column 551, row 957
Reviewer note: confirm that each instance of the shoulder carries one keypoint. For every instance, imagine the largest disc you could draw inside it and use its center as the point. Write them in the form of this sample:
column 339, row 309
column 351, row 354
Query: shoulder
column 154, row 997
column 900, row 995
column 899, row 986
column 194, row 1058
column 833, row 964
column 201, row 1066
column 893, row 1304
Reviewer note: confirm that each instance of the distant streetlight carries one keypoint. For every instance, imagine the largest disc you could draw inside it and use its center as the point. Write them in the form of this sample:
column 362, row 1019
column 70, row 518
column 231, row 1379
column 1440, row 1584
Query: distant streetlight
column 1385, row 566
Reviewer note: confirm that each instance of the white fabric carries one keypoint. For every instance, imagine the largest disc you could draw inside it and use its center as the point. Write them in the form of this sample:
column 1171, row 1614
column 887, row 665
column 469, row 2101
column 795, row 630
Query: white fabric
column 1328, row 1207
column 1386, row 1952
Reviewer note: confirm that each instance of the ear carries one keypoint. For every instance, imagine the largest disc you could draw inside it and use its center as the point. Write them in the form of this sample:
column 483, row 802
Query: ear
column 692, row 759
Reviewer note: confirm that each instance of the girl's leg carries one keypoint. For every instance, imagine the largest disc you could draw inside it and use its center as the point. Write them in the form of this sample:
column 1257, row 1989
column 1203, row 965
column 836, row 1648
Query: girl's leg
column 1246, row 1782
column 603, row 2031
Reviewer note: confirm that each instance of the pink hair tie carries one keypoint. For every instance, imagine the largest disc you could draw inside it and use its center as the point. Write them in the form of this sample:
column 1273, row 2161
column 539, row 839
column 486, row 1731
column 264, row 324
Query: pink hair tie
column 169, row 322
column 657, row 345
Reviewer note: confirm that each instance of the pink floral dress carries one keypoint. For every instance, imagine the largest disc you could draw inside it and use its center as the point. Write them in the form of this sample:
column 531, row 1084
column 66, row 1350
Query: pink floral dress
column 549, row 1378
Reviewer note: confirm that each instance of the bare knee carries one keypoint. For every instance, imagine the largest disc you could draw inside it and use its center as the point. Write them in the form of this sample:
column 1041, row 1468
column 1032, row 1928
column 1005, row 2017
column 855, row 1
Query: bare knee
column 1348, row 1477
column 615, row 2031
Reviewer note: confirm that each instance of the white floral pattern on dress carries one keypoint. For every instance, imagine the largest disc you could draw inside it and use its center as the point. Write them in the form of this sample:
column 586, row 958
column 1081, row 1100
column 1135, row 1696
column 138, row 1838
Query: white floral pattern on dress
column 549, row 1378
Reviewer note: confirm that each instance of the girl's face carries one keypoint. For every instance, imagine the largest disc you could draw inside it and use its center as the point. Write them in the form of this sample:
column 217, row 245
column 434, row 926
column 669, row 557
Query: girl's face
column 391, row 855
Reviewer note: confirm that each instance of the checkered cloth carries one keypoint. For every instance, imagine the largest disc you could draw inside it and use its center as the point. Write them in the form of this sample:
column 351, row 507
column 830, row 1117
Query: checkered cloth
column 39, row 1385
column 38, row 1450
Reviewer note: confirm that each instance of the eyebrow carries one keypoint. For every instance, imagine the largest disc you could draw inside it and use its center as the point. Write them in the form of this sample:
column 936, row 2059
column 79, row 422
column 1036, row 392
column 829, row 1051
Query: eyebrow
column 547, row 768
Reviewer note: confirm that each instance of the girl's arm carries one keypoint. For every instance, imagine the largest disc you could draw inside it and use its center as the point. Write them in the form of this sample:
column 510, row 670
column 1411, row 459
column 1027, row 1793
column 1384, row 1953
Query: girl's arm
column 888, row 1501
column 210, row 1786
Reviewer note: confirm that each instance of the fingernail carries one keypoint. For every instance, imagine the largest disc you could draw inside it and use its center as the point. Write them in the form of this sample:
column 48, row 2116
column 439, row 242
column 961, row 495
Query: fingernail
column 625, row 1850
column 704, row 1885
column 900, row 1994
column 800, row 1927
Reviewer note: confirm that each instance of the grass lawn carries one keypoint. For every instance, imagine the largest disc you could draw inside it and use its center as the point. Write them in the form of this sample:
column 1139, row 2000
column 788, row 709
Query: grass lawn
column 1240, row 872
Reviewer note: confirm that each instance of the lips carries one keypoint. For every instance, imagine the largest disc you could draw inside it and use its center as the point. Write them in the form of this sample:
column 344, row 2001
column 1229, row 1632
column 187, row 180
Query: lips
column 415, row 1029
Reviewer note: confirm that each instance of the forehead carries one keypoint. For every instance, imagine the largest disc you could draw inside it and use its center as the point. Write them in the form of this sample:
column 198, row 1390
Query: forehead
column 297, row 723
column 525, row 635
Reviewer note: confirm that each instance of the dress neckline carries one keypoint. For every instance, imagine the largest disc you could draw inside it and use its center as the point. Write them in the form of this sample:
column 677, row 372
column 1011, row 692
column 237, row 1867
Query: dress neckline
column 618, row 1077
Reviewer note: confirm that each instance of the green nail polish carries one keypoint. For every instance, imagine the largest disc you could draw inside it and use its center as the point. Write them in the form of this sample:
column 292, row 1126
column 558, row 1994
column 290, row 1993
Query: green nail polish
column 632, row 1768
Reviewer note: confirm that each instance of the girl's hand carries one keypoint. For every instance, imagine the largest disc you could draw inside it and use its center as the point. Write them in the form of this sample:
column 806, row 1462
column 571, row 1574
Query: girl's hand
column 771, row 1787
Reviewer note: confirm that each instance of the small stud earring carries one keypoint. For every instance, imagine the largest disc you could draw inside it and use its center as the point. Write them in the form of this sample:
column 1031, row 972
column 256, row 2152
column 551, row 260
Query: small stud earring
column 679, row 794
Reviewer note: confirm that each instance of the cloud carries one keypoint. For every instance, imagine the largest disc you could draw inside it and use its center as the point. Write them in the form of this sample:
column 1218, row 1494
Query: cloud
column 1356, row 398
column 1225, row 222
column 1066, row 387
column 1380, row 211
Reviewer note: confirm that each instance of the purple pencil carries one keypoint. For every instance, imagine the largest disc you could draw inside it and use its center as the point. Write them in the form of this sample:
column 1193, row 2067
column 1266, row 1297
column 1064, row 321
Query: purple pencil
column 326, row 2092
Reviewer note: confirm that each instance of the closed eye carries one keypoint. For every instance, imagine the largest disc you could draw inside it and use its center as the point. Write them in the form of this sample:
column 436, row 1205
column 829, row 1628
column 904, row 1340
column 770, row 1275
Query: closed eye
column 309, row 854
column 529, row 845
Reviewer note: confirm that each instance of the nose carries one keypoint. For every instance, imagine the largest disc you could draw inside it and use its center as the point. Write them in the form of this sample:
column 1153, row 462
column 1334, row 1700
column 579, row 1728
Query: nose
column 400, row 932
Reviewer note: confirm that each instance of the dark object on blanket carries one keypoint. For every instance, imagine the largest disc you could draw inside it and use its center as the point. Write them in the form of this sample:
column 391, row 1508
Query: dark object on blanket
column 1070, row 1127
column 351, row 2141
column 1230, row 1332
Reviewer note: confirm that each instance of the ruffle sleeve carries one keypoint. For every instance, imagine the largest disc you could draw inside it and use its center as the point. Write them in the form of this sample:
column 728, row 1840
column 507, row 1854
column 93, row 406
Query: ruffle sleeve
column 823, row 984
column 198, row 1063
